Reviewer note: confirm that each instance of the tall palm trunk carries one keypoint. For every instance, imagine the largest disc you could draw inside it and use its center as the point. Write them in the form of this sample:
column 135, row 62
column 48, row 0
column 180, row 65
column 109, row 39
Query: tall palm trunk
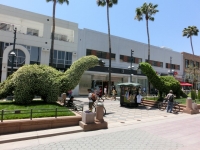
column 147, row 25
column 52, row 34
column 109, row 76
column 193, row 62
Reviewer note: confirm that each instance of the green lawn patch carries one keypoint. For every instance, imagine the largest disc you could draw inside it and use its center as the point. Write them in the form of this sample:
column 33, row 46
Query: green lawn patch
column 39, row 109
column 180, row 100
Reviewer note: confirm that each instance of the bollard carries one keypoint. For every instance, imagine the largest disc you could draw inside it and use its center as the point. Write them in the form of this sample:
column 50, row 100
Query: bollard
column 64, row 96
column 189, row 109
column 99, row 113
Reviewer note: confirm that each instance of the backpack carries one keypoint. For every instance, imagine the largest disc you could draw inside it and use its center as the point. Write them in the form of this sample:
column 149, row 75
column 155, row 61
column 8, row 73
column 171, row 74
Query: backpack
column 171, row 98
column 93, row 97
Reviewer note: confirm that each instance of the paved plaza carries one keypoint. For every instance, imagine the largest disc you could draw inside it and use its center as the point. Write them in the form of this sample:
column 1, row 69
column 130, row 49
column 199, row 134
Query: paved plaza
column 135, row 129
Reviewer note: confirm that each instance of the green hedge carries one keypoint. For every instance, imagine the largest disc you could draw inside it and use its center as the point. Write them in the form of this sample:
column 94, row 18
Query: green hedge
column 44, row 81
column 162, row 83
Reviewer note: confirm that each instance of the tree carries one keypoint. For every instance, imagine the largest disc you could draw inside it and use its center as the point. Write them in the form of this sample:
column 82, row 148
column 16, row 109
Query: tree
column 53, row 29
column 108, row 4
column 191, row 75
column 147, row 11
column 189, row 32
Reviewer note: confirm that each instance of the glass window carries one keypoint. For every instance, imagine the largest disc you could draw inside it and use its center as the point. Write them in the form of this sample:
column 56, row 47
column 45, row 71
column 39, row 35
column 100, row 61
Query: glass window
column 186, row 63
column 178, row 67
column 6, row 27
column 197, row 64
column 88, row 52
column 112, row 56
column 35, row 53
column 161, row 64
column 139, row 60
column 99, row 54
column 121, row 57
column 55, row 54
column 104, row 55
column 32, row 32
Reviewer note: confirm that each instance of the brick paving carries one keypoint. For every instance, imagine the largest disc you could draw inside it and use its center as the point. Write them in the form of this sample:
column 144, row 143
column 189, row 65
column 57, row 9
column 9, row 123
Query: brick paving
column 152, row 132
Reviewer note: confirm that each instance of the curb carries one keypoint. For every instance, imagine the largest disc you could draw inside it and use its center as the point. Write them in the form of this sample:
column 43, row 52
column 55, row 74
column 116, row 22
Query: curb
column 30, row 137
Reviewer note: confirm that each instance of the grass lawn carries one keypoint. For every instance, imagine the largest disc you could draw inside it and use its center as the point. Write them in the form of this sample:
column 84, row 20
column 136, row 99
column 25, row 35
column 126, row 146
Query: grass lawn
column 180, row 100
column 39, row 110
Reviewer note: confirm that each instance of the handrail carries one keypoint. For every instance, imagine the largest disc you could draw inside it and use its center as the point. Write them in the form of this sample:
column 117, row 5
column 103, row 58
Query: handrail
column 30, row 111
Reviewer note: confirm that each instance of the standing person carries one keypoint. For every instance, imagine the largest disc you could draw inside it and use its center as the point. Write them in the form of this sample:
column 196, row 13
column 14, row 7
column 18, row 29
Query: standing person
column 69, row 93
column 170, row 98
column 114, row 94
column 90, row 99
column 139, row 98
column 105, row 91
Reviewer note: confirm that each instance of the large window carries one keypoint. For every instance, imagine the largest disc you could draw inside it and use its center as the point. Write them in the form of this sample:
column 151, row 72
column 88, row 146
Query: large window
column 32, row 32
column 186, row 63
column 173, row 66
column 60, row 37
column 197, row 64
column 62, row 59
column 6, row 27
column 19, row 59
column 128, row 59
column 100, row 54
column 35, row 54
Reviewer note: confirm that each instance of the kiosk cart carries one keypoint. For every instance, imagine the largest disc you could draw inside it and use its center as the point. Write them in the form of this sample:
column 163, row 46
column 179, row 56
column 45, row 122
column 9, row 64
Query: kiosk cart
column 128, row 91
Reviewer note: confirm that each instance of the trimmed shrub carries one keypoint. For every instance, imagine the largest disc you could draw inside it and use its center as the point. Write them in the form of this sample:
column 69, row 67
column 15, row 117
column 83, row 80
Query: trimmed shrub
column 44, row 81
column 198, row 97
column 183, row 94
column 193, row 94
column 162, row 83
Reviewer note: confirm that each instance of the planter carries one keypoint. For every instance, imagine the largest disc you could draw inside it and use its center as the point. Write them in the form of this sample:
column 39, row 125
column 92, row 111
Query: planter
column 88, row 118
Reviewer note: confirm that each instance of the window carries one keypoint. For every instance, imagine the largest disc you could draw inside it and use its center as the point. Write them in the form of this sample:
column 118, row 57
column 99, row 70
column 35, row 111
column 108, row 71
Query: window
column 154, row 63
column 139, row 60
column 121, row 57
column 88, row 52
column 186, row 63
column 6, row 27
column 178, row 67
column 197, row 64
column 62, row 58
column 60, row 37
column 112, row 56
column 161, row 64
column 191, row 63
column 32, row 32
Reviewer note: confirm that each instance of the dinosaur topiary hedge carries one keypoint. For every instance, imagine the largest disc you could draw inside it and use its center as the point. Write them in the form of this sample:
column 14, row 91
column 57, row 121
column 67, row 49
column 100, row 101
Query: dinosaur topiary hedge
column 162, row 83
column 44, row 81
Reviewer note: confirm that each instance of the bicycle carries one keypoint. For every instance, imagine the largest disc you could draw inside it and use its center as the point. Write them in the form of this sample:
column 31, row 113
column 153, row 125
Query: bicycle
column 94, row 107
column 163, row 105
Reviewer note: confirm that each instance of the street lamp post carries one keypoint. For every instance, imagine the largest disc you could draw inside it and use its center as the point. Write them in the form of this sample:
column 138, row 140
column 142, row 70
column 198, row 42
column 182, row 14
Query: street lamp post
column 13, row 53
column 131, row 67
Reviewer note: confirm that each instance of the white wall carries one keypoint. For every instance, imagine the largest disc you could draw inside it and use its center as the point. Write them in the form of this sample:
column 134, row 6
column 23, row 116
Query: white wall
column 24, row 19
column 89, row 39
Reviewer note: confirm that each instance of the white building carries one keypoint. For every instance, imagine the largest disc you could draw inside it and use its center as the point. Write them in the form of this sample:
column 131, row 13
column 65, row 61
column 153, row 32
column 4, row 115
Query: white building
column 96, row 43
column 34, row 40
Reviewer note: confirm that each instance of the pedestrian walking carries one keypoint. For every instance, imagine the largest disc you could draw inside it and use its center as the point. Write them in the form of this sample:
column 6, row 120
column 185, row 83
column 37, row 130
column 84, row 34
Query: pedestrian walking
column 90, row 99
column 170, row 98
column 105, row 91
column 114, row 92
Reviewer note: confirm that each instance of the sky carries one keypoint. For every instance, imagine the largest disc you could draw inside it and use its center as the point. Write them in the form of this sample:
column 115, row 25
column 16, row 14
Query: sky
column 166, row 30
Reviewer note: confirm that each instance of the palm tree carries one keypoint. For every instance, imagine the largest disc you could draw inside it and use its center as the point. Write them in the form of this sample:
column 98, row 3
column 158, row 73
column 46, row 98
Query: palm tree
column 146, row 10
column 108, row 4
column 189, row 32
column 53, row 29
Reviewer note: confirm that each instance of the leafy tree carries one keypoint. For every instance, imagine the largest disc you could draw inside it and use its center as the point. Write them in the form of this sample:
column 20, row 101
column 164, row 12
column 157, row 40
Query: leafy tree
column 147, row 11
column 53, row 29
column 189, row 32
column 108, row 4
column 190, row 73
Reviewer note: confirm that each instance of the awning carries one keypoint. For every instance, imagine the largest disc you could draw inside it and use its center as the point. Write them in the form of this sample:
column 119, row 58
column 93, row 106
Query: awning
column 185, row 84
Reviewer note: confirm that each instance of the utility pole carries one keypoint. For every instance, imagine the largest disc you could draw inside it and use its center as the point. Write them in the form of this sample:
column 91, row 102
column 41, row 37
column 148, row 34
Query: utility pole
column 13, row 53
column 131, row 65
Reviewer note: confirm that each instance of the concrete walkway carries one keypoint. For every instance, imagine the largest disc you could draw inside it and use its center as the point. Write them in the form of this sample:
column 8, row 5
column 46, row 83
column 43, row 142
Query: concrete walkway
column 128, row 129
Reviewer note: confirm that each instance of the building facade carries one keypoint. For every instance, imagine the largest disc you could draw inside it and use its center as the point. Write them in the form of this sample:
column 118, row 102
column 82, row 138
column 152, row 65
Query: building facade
column 191, row 62
column 33, row 40
column 96, row 43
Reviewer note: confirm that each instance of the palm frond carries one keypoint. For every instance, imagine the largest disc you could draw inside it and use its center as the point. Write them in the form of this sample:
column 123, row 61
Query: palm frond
column 48, row 1
column 101, row 2
column 63, row 1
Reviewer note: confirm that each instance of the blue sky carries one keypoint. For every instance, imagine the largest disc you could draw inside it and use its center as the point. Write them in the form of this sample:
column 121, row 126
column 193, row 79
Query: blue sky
column 166, row 30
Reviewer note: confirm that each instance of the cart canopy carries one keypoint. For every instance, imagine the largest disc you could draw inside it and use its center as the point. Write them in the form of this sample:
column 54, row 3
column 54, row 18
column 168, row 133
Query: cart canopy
column 129, row 84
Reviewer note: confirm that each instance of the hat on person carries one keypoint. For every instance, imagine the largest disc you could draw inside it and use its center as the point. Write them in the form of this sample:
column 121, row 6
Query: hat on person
column 170, row 91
